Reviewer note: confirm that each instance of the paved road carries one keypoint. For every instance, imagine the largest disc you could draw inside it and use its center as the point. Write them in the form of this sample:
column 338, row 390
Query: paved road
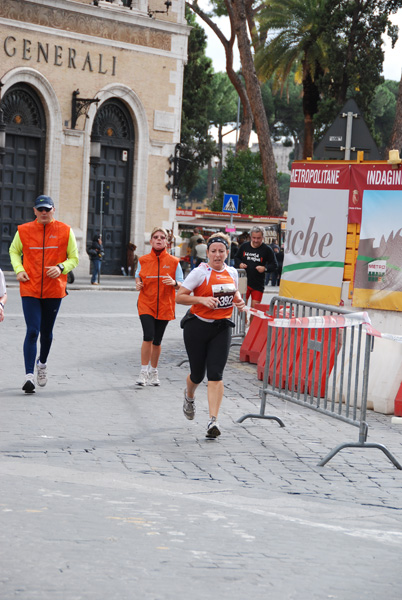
column 108, row 492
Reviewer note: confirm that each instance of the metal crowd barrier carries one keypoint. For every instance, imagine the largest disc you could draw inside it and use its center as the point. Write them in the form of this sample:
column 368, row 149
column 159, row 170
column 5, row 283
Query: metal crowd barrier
column 326, row 370
column 239, row 318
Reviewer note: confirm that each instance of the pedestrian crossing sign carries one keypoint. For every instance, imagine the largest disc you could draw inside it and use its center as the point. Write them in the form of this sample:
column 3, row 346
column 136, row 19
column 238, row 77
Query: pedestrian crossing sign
column 230, row 203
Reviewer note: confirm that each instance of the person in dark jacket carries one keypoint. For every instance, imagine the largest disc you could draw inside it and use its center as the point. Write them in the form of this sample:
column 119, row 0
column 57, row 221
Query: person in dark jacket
column 96, row 254
column 255, row 257
column 280, row 258
column 274, row 272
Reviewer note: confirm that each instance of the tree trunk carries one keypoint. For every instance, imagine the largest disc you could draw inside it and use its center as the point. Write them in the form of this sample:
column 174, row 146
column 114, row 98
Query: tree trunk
column 218, row 165
column 395, row 141
column 311, row 98
column 247, row 118
column 308, row 137
column 209, row 180
column 255, row 98
column 246, row 123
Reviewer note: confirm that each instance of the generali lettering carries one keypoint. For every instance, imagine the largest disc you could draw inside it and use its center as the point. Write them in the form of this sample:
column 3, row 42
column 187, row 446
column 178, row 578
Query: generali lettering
column 58, row 55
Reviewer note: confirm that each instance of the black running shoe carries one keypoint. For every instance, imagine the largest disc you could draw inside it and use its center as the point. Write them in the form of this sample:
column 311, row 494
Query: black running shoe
column 29, row 386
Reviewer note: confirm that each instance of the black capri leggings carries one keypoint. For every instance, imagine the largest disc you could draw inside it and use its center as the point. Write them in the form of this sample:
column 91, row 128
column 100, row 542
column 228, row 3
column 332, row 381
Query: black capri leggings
column 153, row 329
column 207, row 346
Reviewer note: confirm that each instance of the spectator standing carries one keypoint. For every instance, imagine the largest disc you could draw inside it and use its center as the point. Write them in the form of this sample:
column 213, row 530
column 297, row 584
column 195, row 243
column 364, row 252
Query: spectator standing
column 272, row 271
column 192, row 244
column 157, row 277
column 132, row 259
column 275, row 275
column 200, row 252
column 234, row 246
column 3, row 295
column 280, row 258
column 42, row 252
column 243, row 237
column 255, row 257
column 96, row 255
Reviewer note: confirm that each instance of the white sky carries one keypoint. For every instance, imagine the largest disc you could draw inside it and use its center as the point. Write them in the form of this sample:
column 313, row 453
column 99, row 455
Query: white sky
column 215, row 51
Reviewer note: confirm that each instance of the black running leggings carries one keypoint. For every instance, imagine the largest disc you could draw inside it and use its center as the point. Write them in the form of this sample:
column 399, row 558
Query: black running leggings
column 207, row 346
column 153, row 329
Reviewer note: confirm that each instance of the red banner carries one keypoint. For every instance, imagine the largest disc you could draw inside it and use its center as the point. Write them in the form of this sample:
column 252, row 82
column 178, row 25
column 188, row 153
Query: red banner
column 323, row 176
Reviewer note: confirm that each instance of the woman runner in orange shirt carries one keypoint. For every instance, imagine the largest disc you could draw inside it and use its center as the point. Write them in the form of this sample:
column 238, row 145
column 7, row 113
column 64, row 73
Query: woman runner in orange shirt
column 211, row 291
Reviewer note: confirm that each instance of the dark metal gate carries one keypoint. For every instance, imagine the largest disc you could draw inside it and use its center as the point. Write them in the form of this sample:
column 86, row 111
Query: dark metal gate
column 115, row 127
column 22, row 167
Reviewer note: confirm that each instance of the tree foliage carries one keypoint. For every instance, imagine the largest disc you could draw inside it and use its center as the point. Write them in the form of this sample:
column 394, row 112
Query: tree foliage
column 197, row 144
column 284, row 186
column 199, row 191
column 242, row 174
column 220, row 8
column 354, row 37
column 382, row 108
column 336, row 49
column 296, row 44
column 285, row 112
column 242, row 20
column 222, row 107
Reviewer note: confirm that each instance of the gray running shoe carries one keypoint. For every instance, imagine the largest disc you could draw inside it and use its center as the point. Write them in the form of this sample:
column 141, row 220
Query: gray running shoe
column 213, row 429
column 41, row 375
column 188, row 407
column 142, row 378
column 153, row 378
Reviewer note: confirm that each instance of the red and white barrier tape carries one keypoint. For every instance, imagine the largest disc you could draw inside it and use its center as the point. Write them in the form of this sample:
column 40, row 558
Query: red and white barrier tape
column 324, row 322
column 386, row 336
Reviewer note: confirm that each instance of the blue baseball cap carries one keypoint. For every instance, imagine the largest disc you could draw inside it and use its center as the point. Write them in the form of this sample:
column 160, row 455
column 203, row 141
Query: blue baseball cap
column 44, row 201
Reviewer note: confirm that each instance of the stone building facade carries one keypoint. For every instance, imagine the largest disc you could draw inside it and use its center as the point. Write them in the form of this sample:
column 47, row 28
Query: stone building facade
column 91, row 95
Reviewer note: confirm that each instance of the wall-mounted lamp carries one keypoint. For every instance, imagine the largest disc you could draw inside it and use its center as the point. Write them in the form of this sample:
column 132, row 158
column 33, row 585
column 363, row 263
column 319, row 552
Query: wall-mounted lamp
column 95, row 152
column 168, row 4
column 80, row 106
column 2, row 134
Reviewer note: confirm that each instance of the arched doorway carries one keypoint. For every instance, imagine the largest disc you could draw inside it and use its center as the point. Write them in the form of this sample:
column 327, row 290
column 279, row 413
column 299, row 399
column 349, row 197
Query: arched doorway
column 22, row 167
column 110, row 185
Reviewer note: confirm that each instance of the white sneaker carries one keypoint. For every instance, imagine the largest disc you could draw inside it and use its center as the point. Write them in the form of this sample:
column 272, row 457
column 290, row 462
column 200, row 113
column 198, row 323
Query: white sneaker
column 41, row 375
column 213, row 428
column 29, row 385
column 153, row 378
column 142, row 378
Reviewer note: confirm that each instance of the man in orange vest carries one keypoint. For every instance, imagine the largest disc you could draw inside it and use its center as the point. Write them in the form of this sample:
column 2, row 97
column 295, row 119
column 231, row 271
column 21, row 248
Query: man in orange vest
column 42, row 252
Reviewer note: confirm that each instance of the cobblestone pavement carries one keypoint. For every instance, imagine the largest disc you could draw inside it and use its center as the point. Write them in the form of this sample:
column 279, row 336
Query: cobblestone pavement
column 108, row 492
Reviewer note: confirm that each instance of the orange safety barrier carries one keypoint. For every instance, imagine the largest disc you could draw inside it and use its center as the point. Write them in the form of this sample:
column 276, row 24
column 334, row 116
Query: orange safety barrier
column 294, row 366
column 398, row 403
column 256, row 338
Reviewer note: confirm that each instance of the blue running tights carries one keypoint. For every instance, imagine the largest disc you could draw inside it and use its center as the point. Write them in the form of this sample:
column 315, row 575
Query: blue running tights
column 40, row 315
